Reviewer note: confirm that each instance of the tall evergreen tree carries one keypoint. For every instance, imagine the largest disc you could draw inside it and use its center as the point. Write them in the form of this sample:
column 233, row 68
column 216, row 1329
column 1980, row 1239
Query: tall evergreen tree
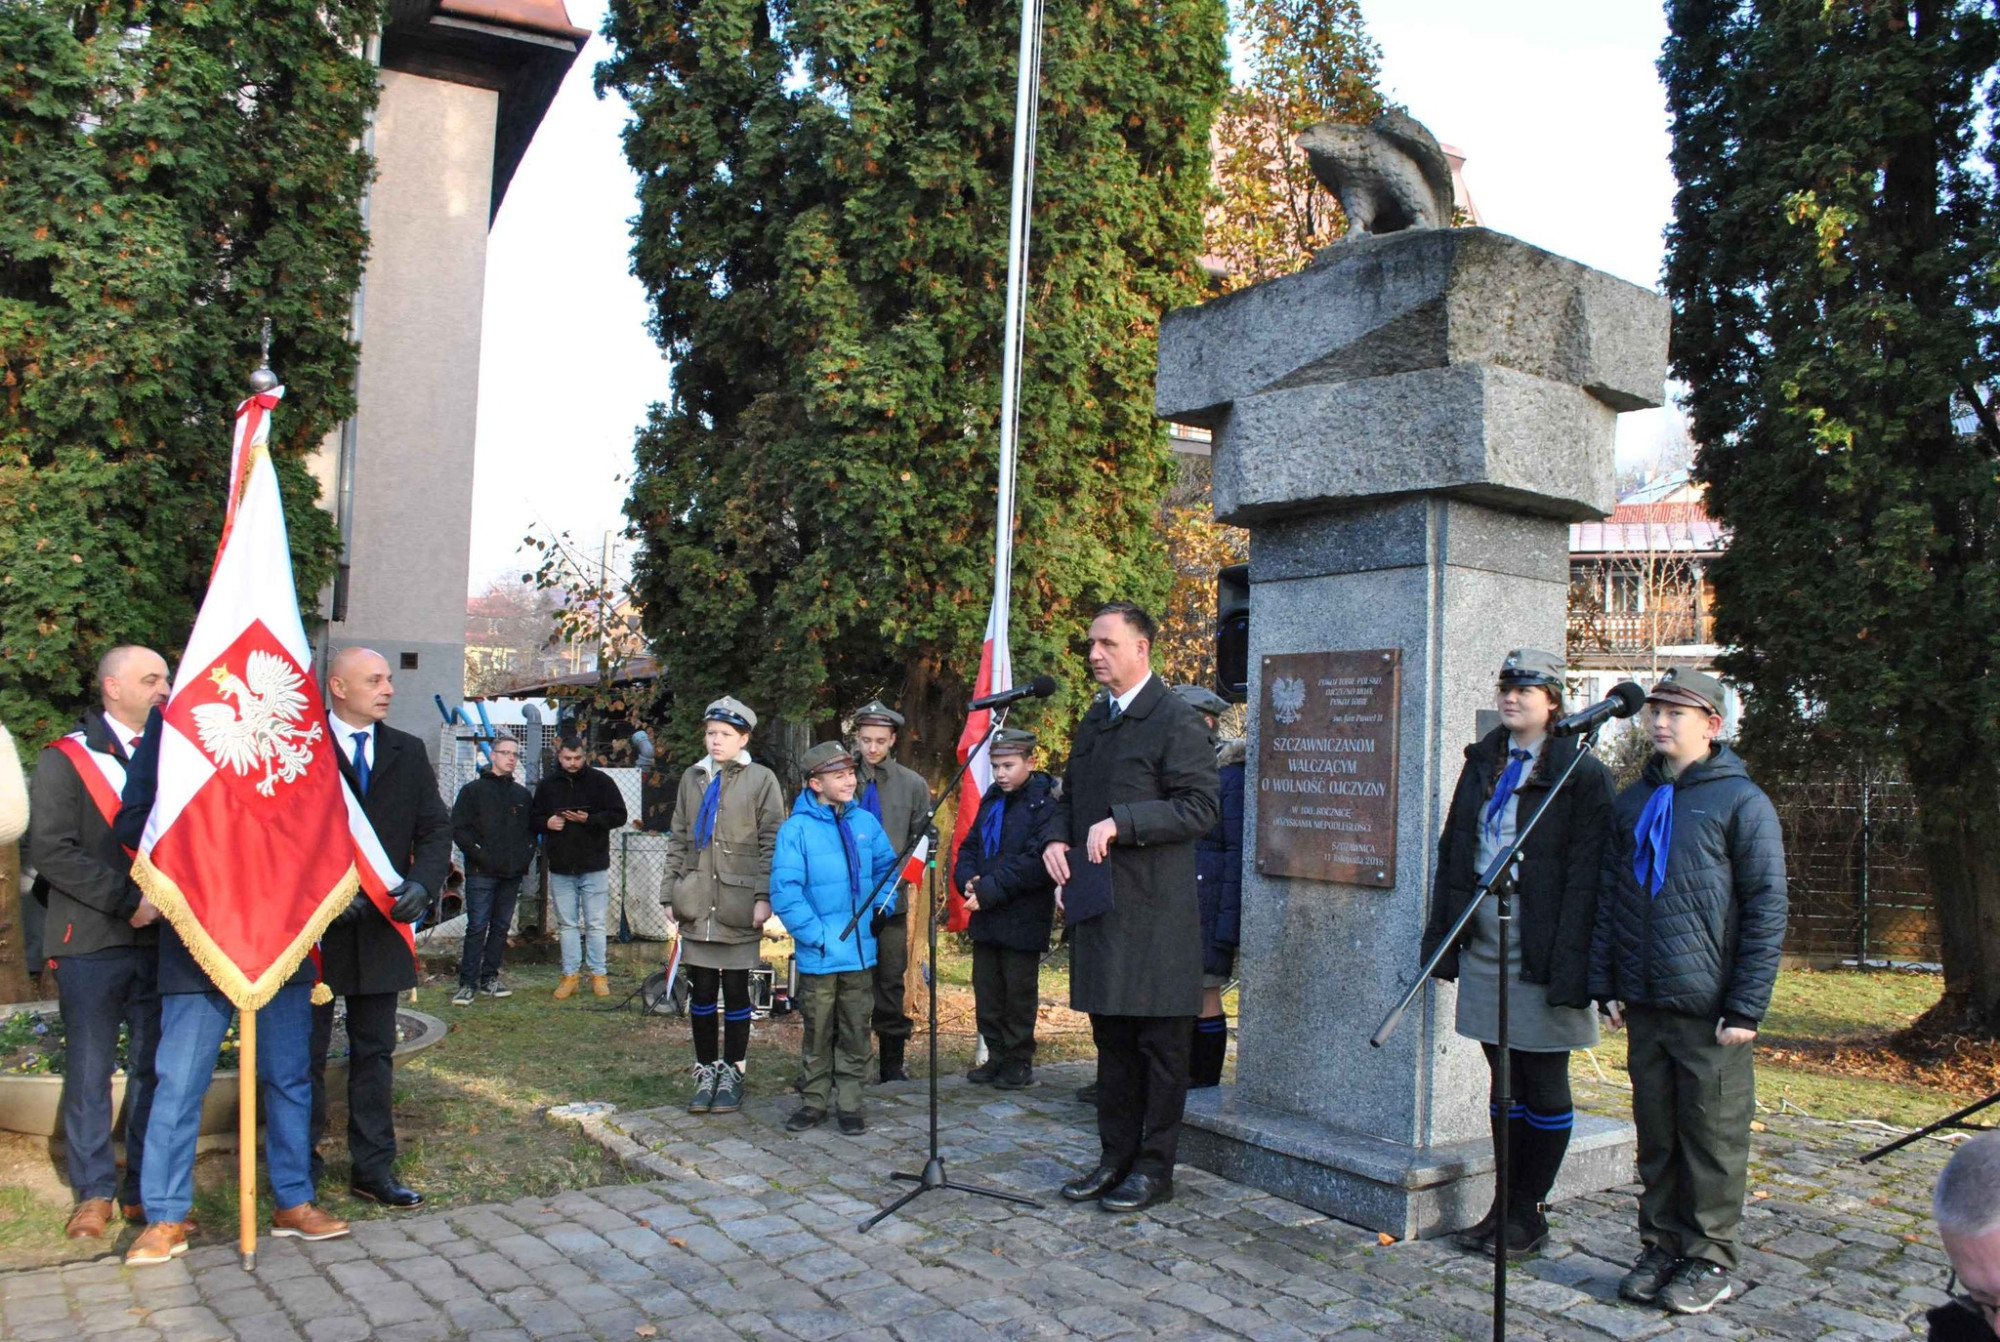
column 824, row 197
column 1832, row 266
column 171, row 174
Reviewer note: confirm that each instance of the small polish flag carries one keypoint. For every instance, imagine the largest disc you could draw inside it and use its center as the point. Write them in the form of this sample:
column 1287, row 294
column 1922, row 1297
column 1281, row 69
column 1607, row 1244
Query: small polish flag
column 913, row 870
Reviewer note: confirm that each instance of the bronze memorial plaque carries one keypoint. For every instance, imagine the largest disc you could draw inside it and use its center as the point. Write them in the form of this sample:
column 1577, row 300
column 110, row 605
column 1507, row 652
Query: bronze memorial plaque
column 1326, row 766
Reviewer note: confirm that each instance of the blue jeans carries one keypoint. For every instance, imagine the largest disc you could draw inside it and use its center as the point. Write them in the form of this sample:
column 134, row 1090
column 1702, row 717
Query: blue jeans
column 581, row 899
column 98, row 992
column 191, row 1029
column 489, row 910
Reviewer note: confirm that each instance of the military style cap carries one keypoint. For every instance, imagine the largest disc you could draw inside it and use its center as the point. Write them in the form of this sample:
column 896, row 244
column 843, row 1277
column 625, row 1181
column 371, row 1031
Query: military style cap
column 1685, row 685
column 1012, row 741
column 1203, row 700
column 1531, row 666
column 826, row 758
column 875, row 713
column 732, row 711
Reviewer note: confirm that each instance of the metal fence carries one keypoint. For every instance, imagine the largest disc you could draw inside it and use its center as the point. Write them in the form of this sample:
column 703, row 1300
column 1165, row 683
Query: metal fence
column 1859, row 887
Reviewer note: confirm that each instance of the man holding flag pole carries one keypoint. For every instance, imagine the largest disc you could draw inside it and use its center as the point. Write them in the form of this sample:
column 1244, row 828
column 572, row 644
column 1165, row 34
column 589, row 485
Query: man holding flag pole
column 250, row 844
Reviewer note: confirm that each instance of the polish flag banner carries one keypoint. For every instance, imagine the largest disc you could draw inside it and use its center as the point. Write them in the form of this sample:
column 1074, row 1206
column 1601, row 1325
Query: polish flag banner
column 255, row 841
column 996, row 673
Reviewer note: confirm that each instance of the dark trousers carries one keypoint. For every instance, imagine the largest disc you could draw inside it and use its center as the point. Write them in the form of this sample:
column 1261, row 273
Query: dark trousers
column 1142, row 1083
column 1006, row 995
column 99, row 992
column 1692, row 1102
column 489, row 910
column 371, row 1126
column 892, row 958
column 835, row 1007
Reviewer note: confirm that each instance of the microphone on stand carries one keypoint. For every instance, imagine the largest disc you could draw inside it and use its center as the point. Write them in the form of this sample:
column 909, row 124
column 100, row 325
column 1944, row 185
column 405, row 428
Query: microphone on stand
column 1041, row 687
column 1626, row 699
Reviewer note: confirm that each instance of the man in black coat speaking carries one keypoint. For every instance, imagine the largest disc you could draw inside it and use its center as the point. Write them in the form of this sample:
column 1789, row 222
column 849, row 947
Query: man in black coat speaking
column 1140, row 790
column 362, row 957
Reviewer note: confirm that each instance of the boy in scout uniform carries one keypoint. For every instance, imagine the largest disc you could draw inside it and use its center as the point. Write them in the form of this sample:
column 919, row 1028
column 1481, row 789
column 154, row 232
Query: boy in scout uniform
column 900, row 801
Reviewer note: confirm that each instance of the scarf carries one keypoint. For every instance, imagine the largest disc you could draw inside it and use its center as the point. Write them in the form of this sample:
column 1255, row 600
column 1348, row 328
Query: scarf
column 870, row 800
column 1510, row 779
column 990, row 825
column 711, row 801
column 853, row 852
column 1651, row 838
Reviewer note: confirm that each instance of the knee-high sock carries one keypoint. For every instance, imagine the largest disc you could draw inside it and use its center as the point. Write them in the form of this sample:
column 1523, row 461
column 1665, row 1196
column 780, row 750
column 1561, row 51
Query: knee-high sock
column 702, row 1016
column 1539, row 1152
column 1207, row 1051
column 736, row 1035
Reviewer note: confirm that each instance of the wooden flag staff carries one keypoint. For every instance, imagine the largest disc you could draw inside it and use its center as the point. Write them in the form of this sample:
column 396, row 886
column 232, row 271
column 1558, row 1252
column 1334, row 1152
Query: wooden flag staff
column 246, row 1137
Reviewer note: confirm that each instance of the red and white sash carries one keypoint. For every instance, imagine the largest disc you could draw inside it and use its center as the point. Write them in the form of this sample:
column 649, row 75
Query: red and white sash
column 103, row 774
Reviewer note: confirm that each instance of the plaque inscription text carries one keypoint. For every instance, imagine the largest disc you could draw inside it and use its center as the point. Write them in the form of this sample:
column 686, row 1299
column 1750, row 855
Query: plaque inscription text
column 1326, row 766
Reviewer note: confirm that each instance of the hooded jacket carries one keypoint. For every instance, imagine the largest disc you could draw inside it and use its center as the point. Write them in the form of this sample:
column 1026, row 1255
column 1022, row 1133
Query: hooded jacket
column 1218, row 866
column 83, row 873
column 810, row 891
column 1017, row 900
column 1708, row 944
column 714, row 890
column 490, row 822
column 1562, row 866
column 580, row 846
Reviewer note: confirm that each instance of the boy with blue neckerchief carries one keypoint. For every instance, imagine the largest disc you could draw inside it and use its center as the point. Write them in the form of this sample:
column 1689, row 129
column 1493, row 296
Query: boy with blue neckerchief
column 1689, row 931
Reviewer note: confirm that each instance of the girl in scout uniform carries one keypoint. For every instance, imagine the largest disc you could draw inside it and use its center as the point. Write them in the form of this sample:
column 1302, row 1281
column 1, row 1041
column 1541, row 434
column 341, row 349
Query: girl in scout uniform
column 1505, row 783
column 725, row 828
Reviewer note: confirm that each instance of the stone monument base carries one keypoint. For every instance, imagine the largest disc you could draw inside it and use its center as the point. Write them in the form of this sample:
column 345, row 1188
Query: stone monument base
column 1405, row 1191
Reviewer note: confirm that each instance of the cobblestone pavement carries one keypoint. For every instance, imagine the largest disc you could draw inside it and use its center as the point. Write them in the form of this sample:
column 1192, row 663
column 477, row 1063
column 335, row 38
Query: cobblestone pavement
column 746, row 1231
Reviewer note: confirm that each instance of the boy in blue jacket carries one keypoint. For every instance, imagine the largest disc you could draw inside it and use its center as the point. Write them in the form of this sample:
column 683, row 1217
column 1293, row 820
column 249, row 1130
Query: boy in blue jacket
column 832, row 855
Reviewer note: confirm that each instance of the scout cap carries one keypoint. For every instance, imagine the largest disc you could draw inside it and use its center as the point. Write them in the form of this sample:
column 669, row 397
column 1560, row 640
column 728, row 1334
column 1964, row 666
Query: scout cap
column 875, row 713
column 1203, row 700
column 1531, row 666
column 1012, row 741
column 1684, row 685
column 732, row 711
column 827, row 757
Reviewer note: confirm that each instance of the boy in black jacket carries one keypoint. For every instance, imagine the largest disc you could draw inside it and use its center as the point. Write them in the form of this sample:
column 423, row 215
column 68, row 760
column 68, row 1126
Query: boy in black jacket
column 1013, row 902
column 1686, row 950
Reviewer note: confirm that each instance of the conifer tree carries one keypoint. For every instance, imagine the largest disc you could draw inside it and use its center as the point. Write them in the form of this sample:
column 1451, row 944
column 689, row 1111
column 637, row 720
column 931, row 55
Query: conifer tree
column 1832, row 264
column 170, row 176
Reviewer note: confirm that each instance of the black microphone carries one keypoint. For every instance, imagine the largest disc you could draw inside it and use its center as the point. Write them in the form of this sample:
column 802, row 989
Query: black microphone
column 1041, row 687
column 1626, row 699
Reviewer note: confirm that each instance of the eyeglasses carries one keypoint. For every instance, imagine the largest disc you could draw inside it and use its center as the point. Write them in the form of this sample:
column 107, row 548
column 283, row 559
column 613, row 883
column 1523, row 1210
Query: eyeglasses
column 1985, row 1309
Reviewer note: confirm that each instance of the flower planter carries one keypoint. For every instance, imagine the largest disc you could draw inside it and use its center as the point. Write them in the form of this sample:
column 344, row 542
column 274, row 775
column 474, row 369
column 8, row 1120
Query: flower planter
column 33, row 1104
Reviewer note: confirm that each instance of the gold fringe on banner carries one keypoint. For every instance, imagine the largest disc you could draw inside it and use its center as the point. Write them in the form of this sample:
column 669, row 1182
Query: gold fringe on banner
column 243, row 992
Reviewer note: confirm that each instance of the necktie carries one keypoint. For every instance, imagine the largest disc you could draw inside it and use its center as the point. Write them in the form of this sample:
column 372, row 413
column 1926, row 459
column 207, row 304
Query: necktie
column 852, row 850
column 1510, row 778
column 133, row 744
column 361, row 761
column 989, row 827
column 1117, row 710
column 1652, row 836
column 711, row 801
column 870, row 800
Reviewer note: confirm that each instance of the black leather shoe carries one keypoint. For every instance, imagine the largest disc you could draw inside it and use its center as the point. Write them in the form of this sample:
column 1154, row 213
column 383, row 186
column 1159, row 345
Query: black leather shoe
column 1093, row 1185
column 387, row 1192
column 852, row 1124
column 1137, row 1192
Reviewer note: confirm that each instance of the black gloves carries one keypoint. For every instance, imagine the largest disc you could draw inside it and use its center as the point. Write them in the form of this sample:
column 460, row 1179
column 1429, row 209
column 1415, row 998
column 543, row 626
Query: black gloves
column 411, row 901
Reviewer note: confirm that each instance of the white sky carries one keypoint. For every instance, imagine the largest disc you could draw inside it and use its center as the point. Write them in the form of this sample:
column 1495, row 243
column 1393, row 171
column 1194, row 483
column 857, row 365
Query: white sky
column 1555, row 104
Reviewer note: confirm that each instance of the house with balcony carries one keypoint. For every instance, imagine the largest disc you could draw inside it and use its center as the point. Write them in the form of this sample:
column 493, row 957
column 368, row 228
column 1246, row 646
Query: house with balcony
column 1640, row 599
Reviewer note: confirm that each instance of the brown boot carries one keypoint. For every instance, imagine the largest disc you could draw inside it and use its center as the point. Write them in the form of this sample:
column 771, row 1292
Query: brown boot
column 90, row 1220
column 306, row 1221
column 600, row 985
column 160, row 1242
column 567, row 986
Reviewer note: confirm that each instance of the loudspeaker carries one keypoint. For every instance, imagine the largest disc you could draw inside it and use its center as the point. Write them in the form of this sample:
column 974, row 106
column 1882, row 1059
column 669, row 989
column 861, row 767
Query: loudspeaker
column 1232, row 633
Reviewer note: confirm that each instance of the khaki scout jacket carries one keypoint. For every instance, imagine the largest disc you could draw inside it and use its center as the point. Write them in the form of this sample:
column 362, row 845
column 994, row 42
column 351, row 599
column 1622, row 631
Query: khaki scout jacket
column 714, row 890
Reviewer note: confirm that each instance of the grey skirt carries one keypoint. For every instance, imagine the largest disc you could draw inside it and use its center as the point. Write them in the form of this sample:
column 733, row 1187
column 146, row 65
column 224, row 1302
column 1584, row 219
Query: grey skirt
column 721, row 954
column 1533, row 1026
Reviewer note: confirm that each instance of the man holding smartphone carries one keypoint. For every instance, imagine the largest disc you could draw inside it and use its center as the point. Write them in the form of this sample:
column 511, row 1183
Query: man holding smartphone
column 576, row 808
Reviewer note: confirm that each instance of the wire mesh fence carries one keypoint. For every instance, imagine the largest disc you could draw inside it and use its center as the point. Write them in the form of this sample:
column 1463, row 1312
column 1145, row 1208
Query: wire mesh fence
column 1859, row 888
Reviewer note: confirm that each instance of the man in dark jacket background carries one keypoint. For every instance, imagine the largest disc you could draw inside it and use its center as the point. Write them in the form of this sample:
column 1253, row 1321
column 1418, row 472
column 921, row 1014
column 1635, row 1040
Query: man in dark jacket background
column 1966, row 1204
column 1013, row 902
column 102, row 936
column 363, row 958
column 900, row 799
column 1689, row 929
column 576, row 808
column 1139, row 790
column 491, row 825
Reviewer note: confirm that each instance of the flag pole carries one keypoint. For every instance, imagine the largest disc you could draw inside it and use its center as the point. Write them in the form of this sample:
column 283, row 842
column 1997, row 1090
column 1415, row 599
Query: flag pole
column 246, row 1137
column 1027, row 109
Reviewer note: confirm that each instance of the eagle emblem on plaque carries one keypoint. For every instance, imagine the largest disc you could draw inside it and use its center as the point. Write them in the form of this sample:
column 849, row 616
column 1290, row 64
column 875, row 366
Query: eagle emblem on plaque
column 1288, row 699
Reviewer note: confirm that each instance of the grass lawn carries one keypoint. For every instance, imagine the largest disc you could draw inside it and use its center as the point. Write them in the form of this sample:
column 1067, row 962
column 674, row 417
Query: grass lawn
column 470, row 1111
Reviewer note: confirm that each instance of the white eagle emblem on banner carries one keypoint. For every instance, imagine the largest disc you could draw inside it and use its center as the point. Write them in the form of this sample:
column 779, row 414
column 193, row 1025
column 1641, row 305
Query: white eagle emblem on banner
column 1288, row 699
column 264, row 727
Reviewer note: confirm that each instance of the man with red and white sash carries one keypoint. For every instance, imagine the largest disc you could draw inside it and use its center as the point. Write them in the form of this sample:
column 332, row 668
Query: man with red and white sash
column 100, row 933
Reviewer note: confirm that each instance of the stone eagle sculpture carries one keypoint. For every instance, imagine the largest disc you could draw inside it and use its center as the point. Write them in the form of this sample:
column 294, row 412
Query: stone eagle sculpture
column 1388, row 175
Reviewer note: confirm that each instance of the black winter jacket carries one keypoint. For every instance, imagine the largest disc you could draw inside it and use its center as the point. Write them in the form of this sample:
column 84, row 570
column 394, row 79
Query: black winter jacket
column 1707, row 945
column 1017, row 900
column 83, row 874
column 1561, row 867
column 584, row 846
column 1218, row 867
column 490, row 823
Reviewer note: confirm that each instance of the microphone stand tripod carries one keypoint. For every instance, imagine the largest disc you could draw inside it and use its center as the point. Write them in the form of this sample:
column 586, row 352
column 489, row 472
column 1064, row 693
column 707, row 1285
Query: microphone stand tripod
column 1499, row 881
column 933, row 1176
